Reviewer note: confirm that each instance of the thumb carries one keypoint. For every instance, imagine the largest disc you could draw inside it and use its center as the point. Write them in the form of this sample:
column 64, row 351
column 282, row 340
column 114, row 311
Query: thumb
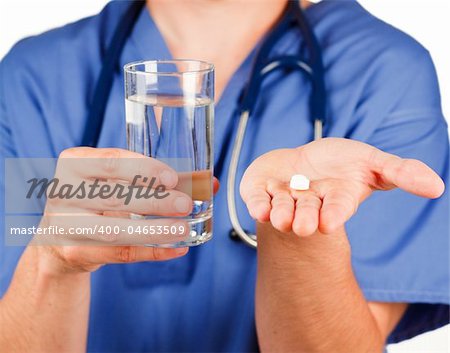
column 409, row 175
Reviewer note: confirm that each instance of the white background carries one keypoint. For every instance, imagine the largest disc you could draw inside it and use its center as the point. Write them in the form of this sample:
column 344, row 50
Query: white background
column 426, row 20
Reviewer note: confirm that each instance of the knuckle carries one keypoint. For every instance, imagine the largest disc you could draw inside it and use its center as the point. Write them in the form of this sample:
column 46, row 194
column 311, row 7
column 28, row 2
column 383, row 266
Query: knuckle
column 372, row 159
column 156, row 254
column 112, row 201
column 111, row 160
column 75, row 152
column 126, row 254
column 281, row 201
column 309, row 202
column 154, row 205
column 52, row 203
column 71, row 254
column 406, row 168
column 68, row 153
column 142, row 167
column 68, row 162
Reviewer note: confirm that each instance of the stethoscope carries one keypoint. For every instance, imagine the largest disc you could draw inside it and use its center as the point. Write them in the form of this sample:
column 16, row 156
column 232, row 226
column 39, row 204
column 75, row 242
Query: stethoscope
column 263, row 66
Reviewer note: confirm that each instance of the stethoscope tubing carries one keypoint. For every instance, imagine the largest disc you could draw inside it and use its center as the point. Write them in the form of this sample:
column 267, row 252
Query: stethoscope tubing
column 262, row 68
column 248, row 238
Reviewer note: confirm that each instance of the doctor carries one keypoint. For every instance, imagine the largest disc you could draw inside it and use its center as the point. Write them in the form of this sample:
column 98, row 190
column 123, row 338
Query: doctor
column 320, row 286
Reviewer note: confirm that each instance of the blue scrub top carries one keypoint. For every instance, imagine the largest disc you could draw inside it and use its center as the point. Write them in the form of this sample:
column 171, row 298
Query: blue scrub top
column 382, row 90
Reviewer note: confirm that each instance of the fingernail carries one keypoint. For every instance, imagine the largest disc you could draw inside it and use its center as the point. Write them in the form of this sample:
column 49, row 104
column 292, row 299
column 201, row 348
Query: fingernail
column 167, row 178
column 182, row 204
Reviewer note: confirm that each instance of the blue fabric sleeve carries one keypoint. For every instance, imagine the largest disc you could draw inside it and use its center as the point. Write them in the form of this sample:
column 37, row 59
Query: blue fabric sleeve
column 400, row 242
column 9, row 256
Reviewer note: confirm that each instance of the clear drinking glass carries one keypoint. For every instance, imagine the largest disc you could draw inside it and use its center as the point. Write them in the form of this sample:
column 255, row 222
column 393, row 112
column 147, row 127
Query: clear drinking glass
column 169, row 116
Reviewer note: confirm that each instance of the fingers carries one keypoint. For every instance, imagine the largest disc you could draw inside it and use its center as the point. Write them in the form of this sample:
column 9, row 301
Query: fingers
column 127, row 199
column 101, row 230
column 408, row 174
column 216, row 185
column 127, row 254
column 171, row 203
column 258, row 202
column 87, row 256
column 282, row 212
column 115, row 163
column 306, row 218
column 326, row 207
column 338, row 205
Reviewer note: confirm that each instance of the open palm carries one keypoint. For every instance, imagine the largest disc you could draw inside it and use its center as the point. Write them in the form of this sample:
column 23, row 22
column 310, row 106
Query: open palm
column 342, row 172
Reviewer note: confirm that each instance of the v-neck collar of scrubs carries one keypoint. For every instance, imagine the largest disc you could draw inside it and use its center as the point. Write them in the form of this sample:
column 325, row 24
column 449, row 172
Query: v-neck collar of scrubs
column 147, row 42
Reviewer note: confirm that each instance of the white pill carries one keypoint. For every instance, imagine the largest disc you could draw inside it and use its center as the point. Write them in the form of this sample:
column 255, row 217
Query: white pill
column 299, row 182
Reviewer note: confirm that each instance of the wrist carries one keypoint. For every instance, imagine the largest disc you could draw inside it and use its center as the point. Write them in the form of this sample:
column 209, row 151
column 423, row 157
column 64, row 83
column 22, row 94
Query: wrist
column 39, row 280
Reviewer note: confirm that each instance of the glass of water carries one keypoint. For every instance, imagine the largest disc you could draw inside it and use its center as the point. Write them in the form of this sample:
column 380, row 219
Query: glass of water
column 169, row 116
